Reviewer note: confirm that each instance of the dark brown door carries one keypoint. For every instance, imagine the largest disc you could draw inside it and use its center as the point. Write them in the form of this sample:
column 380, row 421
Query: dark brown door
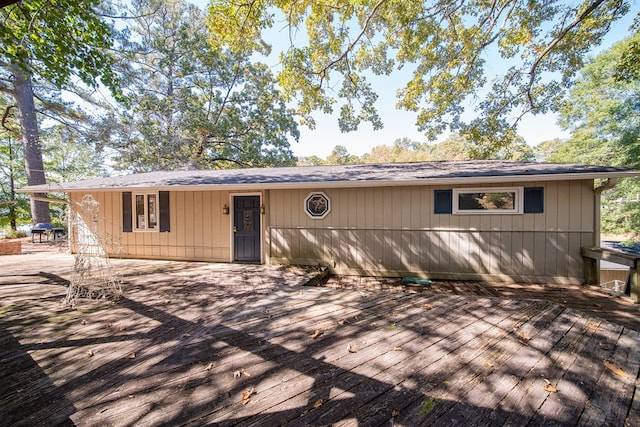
column 246, row 228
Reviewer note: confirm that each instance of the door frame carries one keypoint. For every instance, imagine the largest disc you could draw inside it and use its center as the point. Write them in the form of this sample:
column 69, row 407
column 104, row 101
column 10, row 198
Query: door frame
column 232, row 198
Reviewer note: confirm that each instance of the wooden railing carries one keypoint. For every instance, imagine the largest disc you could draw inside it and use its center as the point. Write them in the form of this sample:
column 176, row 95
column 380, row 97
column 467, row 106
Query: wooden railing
column 592, row 257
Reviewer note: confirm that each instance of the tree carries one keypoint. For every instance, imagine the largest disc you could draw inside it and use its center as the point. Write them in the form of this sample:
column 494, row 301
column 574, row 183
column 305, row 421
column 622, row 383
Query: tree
column 340, row 156
column 602, row 112
column 53, row 41
column 194, row 105
column 444, row 43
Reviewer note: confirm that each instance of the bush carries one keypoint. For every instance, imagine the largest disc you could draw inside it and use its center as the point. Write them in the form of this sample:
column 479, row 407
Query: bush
column 14, row 235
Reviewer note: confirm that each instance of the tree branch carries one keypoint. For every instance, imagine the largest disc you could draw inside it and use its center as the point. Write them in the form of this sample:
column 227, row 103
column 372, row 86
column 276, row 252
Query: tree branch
column 561, row 35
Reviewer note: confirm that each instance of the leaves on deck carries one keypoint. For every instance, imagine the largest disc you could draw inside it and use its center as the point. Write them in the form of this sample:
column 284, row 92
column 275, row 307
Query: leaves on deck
column 549, row 387
column 397, row 348
column 89, row 354
column 342, row 322
column 351, row 349
column 316, row 333
column 395, row 413
column 317, row 404
column 594, row 328
column 427, row 306
column 522, row 337
column 131, row 355
column 246, row 395
column 615, row 368
column 240, row 373
column 209, row 366
column 603, row 345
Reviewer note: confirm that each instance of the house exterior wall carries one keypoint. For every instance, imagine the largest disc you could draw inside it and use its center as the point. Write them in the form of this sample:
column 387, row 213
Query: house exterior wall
column 393, row 231
column 198, row 229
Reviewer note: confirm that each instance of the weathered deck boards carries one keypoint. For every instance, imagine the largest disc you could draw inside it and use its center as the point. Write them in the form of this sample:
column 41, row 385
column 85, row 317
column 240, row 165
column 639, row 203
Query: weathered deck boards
column 189, row 339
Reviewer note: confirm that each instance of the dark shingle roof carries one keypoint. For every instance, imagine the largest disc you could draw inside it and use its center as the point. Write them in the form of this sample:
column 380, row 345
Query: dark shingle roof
column 445, row 172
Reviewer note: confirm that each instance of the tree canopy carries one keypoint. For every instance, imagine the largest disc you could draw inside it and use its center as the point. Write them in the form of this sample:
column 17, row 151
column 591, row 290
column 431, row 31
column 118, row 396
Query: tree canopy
column 49, row 42
column 191, row 104
column 445, row 44
column 602, row 112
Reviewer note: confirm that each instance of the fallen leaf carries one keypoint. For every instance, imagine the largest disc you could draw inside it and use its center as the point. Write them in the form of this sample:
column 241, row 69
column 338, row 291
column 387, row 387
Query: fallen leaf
column 316, row 334
column 522, row 335
column 122, row 328
column 131, row 356
column 550, row 388
column 186, row 335
column 594, row 328
column 350, row 349
column 107, row 325
column 615, row 368
column 240, row 373
column 89, row 353
column 84, row 322
column 246, row 395
column 603, row 345
column 299, row 292
column 427, row 306
column 209, row 366
column 395, row 413
column 317, row 404
column 397, row 348
column 343, row 322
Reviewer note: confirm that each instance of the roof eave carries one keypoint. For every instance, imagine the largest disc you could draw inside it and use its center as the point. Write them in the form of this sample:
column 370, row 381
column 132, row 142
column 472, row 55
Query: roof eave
column 346, row 184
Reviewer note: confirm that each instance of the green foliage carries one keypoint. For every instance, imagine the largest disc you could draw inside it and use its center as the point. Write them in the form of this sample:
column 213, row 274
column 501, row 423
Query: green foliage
column 444, row 46
column 455, row 147
column 56, row 39
column 603, row 114
column 193, row 104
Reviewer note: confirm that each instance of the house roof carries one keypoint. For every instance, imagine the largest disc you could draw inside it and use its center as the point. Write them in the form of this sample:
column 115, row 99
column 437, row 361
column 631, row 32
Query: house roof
column 365, row 175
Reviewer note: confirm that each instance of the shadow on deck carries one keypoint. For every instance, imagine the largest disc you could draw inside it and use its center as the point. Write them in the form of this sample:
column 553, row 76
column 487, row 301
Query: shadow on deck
column 201, row 344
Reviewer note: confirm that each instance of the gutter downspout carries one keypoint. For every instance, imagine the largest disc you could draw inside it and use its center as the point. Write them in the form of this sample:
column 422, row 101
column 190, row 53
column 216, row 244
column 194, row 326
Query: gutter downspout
column 609, row 184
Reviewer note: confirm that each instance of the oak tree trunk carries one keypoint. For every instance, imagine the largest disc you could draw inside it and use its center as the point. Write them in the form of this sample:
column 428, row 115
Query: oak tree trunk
column 23, row 92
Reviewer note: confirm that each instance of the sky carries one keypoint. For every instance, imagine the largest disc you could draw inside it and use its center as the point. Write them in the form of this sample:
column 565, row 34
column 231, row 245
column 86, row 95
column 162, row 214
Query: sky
column 401, row 124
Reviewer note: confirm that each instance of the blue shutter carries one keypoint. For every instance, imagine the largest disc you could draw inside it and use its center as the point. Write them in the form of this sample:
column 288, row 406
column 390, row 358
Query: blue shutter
column 164, row 211
column 443, row 201
column 534, row 200
column 127, row 214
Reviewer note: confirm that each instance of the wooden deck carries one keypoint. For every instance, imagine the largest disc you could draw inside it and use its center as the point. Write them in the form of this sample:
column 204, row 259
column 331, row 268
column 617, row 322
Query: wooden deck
column 195, row 344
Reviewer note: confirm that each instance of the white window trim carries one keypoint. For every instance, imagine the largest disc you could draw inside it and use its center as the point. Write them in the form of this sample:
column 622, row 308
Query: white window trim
column 312, row 194
column 146, row 204
column 518, row 208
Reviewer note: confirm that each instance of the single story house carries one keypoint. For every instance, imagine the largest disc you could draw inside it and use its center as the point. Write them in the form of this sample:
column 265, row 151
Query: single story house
column 488, row 220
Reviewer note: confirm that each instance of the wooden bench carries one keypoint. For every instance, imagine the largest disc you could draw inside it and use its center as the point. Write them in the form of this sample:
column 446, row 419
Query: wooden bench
column 592, row 257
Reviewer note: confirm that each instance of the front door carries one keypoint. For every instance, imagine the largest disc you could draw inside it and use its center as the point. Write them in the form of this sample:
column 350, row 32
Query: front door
column 246, row 228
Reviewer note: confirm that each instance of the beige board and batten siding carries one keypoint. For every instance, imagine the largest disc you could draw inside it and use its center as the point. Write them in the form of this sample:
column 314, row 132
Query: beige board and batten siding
column 199, row 231
column 393, row 231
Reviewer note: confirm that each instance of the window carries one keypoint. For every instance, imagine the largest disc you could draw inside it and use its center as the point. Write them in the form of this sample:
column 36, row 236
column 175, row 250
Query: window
column 317, row 205
column 146, row 211
column 487, row 200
